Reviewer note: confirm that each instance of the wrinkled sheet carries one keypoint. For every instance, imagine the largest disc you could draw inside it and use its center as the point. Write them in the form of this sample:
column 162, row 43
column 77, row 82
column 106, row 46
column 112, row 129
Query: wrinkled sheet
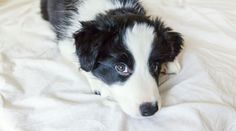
column 41, row 92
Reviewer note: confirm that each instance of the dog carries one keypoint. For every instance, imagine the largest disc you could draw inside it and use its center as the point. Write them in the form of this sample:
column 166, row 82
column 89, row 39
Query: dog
column 118, row 47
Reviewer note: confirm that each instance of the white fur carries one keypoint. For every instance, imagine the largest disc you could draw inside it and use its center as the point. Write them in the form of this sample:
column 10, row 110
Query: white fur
column 67, row 49
column 141, row 86
column 171, row 67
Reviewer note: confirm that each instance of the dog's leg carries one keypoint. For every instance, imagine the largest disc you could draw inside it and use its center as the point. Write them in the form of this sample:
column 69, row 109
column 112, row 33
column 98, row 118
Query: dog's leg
column 67, row 50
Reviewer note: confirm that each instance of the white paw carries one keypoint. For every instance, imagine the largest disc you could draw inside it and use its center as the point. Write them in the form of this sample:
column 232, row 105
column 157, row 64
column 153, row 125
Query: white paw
column 171, row 67
column 97, row 86
column 101, row 92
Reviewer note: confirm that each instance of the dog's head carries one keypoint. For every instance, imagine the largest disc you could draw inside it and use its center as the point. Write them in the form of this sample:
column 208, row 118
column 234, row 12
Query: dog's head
column 125, row 53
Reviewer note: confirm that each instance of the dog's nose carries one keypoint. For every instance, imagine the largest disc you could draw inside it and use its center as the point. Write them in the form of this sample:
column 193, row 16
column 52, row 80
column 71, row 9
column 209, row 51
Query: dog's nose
column 148, row 109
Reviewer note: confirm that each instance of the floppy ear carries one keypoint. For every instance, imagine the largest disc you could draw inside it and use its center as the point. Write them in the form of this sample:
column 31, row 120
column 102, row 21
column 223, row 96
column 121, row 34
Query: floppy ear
column 88, row 42
column 169, row 43
column 174, row 43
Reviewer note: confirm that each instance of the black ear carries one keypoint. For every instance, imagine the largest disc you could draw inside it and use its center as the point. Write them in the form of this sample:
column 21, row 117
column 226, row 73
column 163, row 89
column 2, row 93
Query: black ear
column 88, row 42
column 169, row 42
column 174, row 43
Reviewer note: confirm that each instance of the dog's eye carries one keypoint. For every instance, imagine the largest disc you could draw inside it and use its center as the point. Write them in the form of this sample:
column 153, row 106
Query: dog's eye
column 155, row 66
column 122, row 69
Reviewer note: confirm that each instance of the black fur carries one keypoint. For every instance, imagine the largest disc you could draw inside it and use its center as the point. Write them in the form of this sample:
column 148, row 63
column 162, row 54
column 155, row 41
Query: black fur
column 99, row 43
column 58, row 13
column 97, row 54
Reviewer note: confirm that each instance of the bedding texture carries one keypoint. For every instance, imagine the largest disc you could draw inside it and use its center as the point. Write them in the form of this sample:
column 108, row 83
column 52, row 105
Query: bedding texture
column 39, row 91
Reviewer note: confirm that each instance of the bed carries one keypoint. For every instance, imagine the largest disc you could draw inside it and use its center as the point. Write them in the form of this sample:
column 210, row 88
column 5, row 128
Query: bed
column 41, row 92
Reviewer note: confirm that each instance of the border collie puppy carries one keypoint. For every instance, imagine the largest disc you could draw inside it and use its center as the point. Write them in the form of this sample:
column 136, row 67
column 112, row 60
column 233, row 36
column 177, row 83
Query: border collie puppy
column 118, row 47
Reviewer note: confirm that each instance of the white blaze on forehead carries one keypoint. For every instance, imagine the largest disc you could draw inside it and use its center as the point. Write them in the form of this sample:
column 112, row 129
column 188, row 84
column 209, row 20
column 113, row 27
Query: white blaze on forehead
column 139, row 41
column 141, row 87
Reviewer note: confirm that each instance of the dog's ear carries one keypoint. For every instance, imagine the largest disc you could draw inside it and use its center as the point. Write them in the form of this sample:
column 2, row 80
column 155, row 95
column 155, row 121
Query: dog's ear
column 169, row 42
column 88, row 42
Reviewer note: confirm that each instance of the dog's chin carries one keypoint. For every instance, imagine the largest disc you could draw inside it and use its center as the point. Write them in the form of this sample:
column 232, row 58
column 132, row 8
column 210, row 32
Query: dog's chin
column 110, row 101
column 134, row 112
column 127, row 110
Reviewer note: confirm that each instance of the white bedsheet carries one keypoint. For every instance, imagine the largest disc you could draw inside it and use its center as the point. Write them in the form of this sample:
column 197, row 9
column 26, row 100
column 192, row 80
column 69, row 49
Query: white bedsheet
column 39, row 92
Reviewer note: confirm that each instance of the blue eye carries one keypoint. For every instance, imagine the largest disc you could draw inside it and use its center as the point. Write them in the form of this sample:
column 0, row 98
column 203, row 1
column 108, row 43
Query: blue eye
column 122, row 69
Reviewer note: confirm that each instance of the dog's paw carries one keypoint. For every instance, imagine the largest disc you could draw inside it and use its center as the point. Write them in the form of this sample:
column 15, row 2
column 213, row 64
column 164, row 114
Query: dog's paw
column 102, row 92
column 97, row 93
column 171, row 67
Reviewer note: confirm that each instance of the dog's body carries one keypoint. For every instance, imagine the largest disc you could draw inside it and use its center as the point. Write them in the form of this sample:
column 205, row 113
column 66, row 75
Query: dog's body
column 118, row 47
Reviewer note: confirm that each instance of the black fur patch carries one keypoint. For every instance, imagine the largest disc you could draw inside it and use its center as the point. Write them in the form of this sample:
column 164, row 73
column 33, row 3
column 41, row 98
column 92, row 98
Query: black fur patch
column 166, row 46
column 58, row 13
column 100, row 43
column 99, row 49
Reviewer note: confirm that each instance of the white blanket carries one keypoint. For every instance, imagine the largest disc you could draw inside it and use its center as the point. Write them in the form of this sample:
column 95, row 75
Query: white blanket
column 40, row 92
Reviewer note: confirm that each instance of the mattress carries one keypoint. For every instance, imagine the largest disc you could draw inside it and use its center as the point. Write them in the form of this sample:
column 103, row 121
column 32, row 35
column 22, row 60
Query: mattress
column 39, row 91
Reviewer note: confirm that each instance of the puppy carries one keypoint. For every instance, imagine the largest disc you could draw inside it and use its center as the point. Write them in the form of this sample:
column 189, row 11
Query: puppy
column 118, row 47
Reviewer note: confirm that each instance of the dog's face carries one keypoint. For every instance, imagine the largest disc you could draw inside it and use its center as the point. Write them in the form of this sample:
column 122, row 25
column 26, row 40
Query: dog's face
column 125, row 53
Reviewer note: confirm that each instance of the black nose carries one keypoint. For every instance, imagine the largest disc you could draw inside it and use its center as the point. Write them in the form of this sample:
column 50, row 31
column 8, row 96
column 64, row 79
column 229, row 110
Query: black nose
column 148, row 109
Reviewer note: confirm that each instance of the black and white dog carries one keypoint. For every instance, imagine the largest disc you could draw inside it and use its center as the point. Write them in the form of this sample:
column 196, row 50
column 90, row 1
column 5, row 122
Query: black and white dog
column 118, row 47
